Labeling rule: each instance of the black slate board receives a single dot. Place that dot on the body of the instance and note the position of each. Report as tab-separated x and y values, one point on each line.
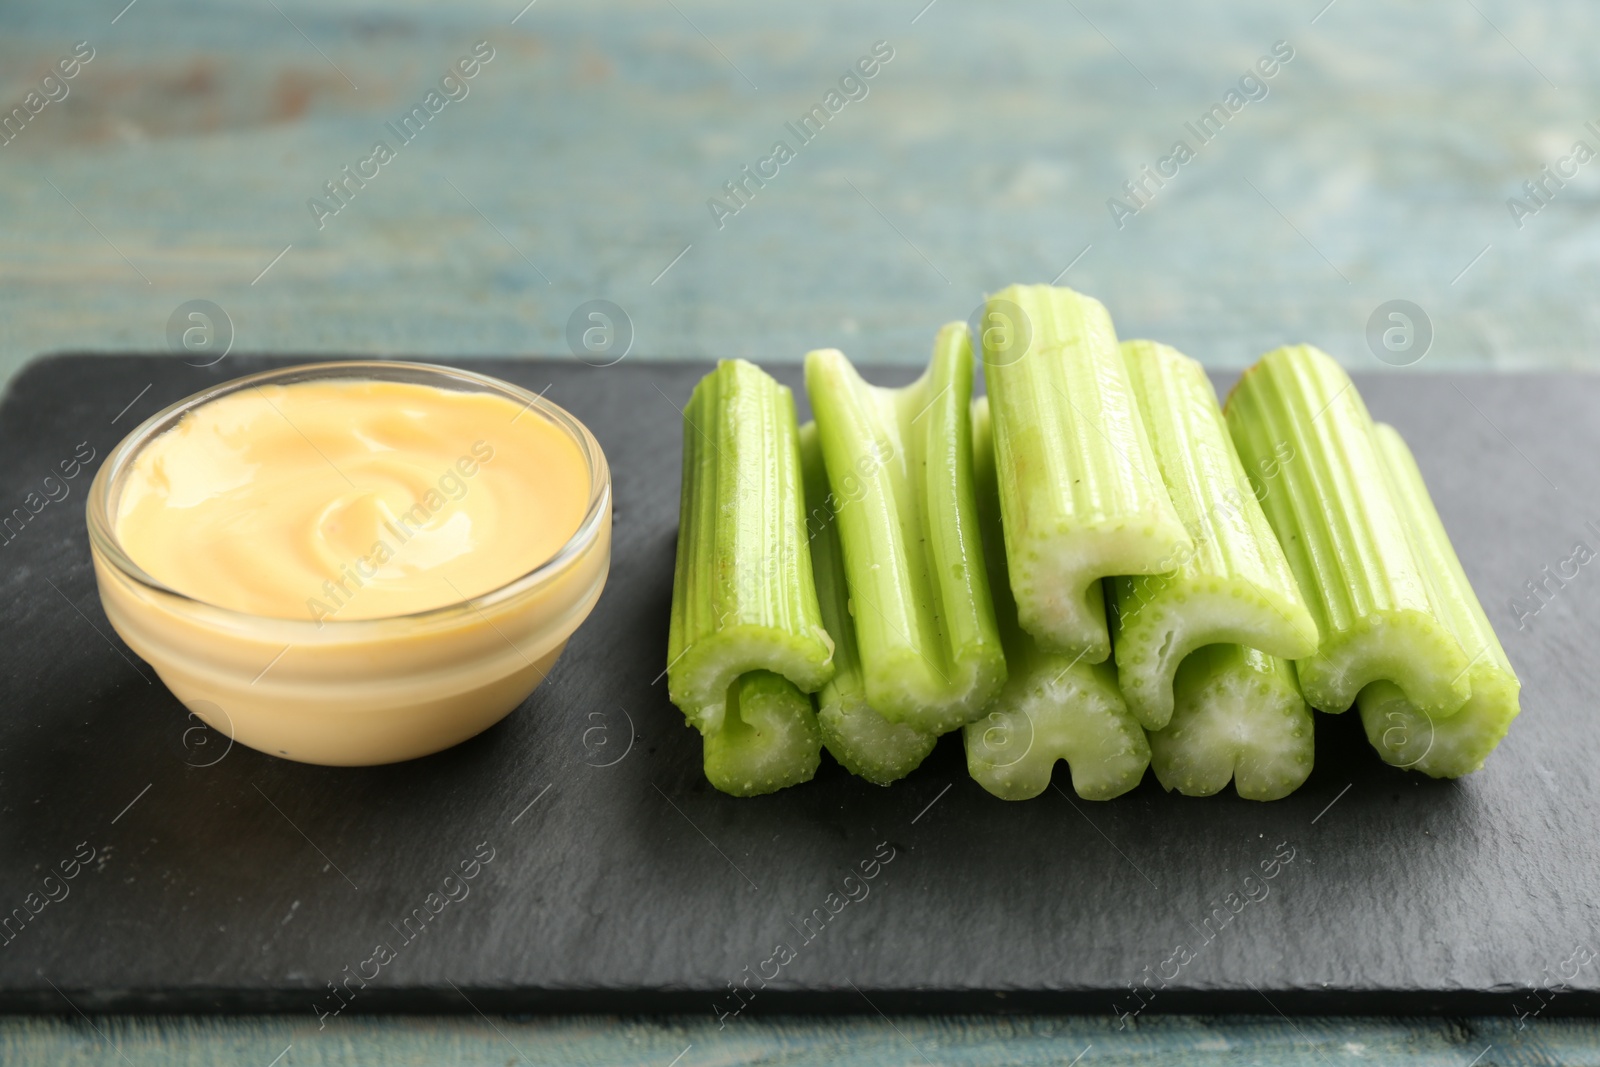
229	880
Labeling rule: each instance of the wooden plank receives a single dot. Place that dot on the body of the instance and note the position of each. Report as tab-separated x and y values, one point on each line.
482	1041
985	152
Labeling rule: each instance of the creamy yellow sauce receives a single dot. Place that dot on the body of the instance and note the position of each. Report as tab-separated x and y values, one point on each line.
347	499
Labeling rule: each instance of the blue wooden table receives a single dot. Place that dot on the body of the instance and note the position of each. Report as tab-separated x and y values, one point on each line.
962	1041
204	178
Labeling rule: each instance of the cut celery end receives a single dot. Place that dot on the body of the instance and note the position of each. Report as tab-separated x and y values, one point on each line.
743	597
1235	587
1057	709
1409	648
1443	746
864	742
899	469
1239	717
868	745
1079	488
734	651
1302	429
1161	623
1053	706
769	738
1440	747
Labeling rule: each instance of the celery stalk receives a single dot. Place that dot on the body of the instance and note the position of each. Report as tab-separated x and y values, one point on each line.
864	742
743	597
1404	735
899	464
1443	747
1304	433
1080	492
1054	705
1238	715
1235	587
768	740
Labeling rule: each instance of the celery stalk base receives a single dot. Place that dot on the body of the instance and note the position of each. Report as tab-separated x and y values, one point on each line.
769	738
1057	709
1439	747
1238	717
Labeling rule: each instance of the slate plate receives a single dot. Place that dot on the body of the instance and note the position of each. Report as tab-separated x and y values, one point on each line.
222	879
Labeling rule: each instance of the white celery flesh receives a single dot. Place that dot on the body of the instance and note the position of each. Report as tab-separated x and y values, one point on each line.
1239	717
1054	708
768	739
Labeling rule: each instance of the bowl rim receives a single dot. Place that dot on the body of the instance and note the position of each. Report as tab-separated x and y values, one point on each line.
108	479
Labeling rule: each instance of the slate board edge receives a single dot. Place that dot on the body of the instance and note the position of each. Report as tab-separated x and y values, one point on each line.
46	360
1573	1003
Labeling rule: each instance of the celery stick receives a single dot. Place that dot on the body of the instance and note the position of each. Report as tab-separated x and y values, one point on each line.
768	740
1235	587
743	598
1439	747
899	462
1079	488
1443	747
1304	433
1054	706
1239	715
864	742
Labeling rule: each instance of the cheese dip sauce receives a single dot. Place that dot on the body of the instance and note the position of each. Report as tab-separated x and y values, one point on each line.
352	563
350	499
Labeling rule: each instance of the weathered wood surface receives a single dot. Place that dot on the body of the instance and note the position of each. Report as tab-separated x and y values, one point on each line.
1381	162
473	1041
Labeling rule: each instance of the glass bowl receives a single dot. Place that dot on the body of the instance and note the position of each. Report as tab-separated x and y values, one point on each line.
360	691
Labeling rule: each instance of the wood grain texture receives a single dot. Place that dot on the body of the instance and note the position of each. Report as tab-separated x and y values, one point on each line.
956	1041
1377	167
